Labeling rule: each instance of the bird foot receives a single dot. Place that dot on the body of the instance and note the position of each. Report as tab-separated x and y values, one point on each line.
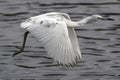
18	52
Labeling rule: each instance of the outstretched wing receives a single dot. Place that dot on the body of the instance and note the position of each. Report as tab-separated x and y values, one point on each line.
74	42
55	38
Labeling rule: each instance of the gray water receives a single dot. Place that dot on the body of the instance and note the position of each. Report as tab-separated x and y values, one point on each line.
99	41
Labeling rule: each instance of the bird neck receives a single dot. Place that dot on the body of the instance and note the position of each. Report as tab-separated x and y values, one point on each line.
79	23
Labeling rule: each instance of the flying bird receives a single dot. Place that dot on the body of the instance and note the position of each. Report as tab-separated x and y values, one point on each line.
55	30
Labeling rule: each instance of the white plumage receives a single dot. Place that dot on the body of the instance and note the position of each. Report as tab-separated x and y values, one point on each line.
56	32
59	41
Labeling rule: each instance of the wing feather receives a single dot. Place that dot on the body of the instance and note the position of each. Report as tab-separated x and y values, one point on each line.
74	42
55	40
59	41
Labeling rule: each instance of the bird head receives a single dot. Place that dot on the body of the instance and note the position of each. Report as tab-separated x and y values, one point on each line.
101	17
97	16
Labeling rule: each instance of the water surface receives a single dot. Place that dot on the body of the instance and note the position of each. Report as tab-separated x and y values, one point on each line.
99	41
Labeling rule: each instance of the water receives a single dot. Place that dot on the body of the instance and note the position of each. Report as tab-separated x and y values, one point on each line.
99	41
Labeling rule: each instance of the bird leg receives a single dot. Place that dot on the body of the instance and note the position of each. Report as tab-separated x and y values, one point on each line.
23	45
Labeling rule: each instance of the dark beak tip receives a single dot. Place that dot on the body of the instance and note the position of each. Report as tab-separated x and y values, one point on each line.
110	19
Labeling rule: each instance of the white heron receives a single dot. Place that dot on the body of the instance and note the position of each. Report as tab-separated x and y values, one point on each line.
55	31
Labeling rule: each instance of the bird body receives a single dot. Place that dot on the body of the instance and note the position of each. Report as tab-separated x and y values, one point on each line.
55	31
52	31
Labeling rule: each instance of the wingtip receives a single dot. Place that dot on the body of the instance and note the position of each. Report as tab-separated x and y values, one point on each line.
72	64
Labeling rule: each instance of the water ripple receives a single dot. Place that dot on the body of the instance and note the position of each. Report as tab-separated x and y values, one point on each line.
84	37
13	14
99	41
25	66
95	3
55	74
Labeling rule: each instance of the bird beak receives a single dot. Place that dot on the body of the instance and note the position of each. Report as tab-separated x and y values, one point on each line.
105	18
109	19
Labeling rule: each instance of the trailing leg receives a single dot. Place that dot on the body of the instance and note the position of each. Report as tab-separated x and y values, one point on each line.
23	45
